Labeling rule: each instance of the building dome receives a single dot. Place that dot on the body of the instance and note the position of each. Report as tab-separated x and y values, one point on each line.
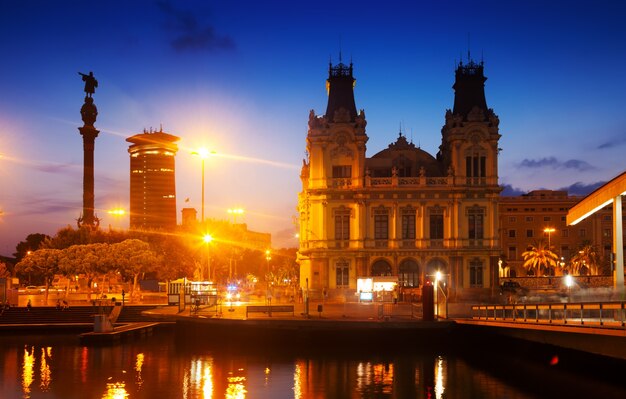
406	158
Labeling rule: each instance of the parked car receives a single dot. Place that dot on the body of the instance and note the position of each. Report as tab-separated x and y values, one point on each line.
31	289
513	288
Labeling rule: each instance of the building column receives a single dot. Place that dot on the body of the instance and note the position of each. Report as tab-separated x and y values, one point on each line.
618	246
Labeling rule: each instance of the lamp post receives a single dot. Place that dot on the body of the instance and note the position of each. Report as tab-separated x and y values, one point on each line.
235	212
207	239
203	153
268	296
549	230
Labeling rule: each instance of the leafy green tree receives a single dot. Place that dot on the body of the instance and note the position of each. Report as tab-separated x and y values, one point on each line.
85	260
43	264
133	258
539	259
586	261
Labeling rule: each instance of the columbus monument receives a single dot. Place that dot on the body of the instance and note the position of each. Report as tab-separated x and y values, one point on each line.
88	113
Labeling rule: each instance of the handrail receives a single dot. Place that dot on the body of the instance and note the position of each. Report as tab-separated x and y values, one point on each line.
606	314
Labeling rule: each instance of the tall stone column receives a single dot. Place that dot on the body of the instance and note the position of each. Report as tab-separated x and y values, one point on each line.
88	113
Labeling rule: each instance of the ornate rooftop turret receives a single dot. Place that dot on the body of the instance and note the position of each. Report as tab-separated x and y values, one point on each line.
469	88
340	86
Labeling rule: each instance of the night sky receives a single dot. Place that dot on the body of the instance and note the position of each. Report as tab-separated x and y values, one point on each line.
239	77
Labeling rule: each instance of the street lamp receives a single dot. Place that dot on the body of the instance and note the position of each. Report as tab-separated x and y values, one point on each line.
268	257
116	213
207	239
235	212
203	153
549	230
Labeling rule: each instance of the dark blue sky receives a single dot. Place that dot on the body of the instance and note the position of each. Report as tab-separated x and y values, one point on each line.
241	77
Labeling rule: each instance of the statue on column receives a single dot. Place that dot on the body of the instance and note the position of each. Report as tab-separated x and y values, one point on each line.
90	83
89	112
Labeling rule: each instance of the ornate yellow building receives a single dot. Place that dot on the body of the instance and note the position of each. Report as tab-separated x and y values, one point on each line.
401	213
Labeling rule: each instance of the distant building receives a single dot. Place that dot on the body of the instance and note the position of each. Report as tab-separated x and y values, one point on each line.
152	180
225	231
402	212
524	219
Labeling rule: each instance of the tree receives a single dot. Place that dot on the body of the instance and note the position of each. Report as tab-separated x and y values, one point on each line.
89	260
43	264
133	257
539	259
586	261
33	242
4	270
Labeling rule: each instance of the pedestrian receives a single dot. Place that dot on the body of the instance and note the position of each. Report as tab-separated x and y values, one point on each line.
29	306
65	305
58	304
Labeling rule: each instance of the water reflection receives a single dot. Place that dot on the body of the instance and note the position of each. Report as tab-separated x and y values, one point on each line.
158	367
115	390
44	369
28	366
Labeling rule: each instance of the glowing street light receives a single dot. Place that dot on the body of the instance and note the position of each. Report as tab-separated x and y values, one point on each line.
549	230
203	153
235	212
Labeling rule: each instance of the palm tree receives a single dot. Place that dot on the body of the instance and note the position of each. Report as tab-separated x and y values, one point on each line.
586	260
539	258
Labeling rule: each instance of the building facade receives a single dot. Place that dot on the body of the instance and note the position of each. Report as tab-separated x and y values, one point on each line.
402	212
540	215
153	180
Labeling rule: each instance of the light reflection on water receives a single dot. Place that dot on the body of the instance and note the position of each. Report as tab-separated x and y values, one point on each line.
157	367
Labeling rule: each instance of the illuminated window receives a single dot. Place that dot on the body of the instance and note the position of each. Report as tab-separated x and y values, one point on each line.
408	273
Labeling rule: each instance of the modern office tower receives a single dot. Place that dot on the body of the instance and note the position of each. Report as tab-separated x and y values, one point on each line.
152	180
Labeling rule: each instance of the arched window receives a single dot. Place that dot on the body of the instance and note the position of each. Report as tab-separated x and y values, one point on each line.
381	268
408	275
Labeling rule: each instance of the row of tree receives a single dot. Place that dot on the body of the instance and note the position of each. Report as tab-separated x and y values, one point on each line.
159	255
540	260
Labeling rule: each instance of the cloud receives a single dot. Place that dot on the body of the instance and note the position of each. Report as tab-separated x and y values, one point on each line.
509	191
614	142
191	34
554	163
57	168
580	188
46	206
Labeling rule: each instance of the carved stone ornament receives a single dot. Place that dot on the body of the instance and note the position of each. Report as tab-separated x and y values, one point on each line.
341	115
340	151
476	115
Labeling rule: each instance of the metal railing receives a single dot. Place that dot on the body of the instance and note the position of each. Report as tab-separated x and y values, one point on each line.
605	314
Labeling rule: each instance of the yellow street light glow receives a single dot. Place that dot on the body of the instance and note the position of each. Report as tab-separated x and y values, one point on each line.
438	275
236	211
116	212
549	230
203	153
207	238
